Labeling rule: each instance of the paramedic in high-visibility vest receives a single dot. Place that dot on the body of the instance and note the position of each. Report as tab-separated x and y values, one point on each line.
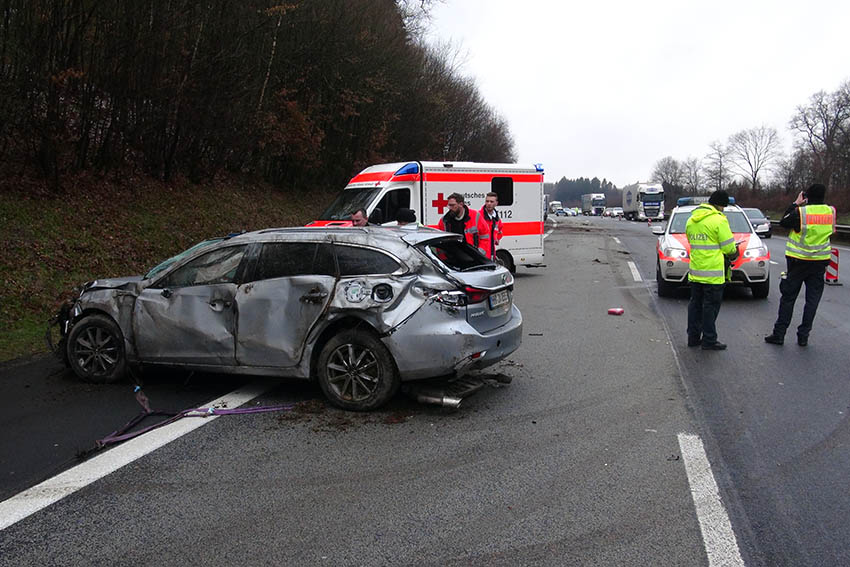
711	242
494	223
462	220
811	223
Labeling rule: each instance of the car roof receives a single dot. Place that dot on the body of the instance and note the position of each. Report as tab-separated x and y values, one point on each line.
376	235
690	208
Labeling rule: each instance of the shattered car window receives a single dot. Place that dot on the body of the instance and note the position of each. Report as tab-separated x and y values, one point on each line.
455	255
283	259
165	264
355	261
218	266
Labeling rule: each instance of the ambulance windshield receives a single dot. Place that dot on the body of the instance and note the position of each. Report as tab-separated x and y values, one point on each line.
349	201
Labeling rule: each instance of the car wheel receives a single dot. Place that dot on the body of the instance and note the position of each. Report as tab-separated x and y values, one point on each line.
761	290
95	350
356	371
504	258
665	288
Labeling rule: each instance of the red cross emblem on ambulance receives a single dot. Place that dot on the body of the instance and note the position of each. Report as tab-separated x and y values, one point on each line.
440	203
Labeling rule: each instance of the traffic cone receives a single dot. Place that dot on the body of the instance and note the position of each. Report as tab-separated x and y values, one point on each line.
831	276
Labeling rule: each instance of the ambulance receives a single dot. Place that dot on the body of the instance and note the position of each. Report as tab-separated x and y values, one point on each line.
424	186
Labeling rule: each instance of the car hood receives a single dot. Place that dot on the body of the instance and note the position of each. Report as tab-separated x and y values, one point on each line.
112	283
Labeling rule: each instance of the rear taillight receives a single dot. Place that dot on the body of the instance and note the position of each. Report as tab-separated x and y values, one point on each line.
475	295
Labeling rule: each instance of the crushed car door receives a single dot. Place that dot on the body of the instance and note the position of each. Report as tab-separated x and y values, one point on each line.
189	315
291	286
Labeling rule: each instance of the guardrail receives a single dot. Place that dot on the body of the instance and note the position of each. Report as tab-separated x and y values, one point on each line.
839	228
842	231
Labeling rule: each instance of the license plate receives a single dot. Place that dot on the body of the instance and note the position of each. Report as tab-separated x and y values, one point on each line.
499	298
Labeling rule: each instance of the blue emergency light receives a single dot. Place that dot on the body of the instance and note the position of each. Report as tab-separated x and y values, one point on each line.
685	201
407	169
538	167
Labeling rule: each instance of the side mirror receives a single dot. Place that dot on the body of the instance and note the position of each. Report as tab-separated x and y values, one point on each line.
659	230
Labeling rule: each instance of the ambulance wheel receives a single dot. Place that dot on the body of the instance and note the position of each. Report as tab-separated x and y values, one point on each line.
665	288
504	258
761	290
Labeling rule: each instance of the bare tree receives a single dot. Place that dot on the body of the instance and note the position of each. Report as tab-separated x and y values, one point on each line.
821	124
717	165
667	170
692	174
753	150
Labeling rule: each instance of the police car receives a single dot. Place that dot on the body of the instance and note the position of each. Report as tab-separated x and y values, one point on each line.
752	268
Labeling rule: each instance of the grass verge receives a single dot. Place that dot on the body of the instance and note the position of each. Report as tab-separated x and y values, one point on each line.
98	229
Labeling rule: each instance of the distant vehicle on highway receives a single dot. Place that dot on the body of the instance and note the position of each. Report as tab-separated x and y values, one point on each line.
759	219
752	268
561	212
617	212
358	310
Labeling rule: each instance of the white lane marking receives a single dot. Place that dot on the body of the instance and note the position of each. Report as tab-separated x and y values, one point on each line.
774	263
551	230
54	489
721	546
635	273
617	240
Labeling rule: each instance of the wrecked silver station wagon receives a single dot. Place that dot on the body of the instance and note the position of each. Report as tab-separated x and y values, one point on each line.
358	309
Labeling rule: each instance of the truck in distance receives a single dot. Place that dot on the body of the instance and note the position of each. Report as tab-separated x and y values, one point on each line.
592	204
643	201
554	206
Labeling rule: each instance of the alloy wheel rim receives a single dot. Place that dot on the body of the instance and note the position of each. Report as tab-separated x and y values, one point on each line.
96	351
353	372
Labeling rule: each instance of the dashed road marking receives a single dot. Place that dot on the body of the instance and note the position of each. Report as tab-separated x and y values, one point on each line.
54	489
617	240
635	273
774	263
551	230
719	540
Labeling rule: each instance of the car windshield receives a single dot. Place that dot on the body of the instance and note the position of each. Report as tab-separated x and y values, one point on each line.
455	255
349	201
754	215
165	264
737	222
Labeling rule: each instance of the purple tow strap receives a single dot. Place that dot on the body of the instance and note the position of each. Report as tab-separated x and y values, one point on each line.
124	433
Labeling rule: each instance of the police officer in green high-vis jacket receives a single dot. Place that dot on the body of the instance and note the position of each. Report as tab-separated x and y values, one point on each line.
711	243
811	223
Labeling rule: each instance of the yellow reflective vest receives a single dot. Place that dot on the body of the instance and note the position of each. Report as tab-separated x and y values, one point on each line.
710	239
811	242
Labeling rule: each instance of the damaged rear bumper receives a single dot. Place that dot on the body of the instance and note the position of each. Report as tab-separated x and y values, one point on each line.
424	351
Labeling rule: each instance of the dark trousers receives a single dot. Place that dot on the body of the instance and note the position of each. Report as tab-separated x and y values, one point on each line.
800	271
702	312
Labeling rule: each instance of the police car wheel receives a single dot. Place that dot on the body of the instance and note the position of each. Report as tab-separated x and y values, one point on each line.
665	289
761	290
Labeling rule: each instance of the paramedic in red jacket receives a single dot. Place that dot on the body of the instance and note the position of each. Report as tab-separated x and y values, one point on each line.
494	223
462	220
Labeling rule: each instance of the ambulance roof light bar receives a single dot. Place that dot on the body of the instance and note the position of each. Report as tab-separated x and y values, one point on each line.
407	169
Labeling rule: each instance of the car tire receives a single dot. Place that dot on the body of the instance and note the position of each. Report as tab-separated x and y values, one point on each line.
356	371
95	350
504	258
665	288
761	290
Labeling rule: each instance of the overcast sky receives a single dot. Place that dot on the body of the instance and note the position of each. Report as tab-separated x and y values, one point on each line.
607	88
